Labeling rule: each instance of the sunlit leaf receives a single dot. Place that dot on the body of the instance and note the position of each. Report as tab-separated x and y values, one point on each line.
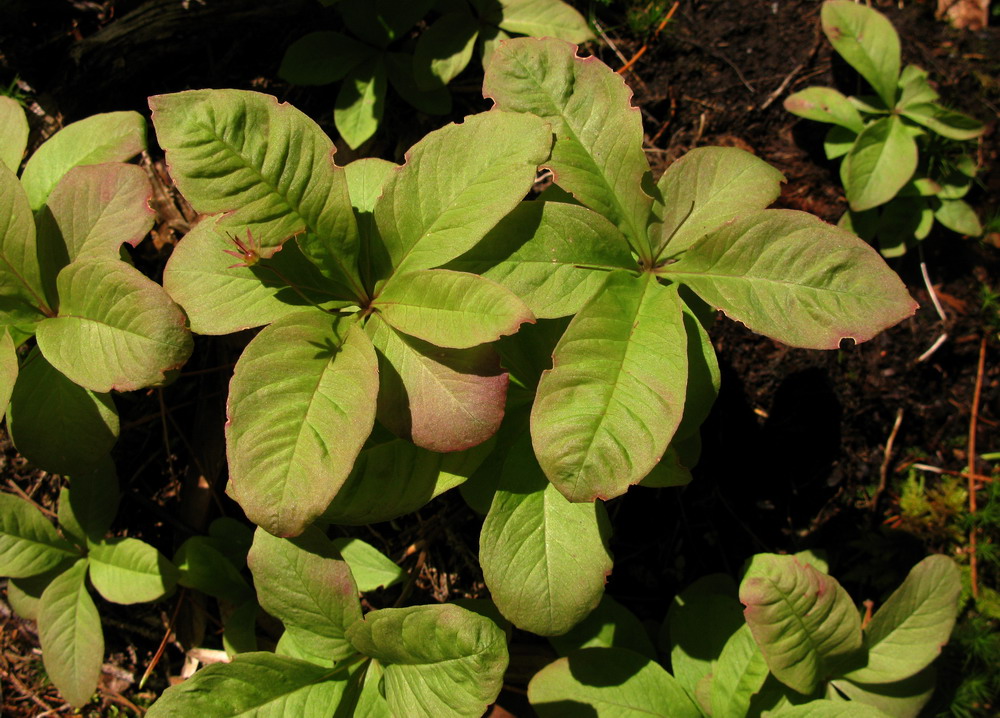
370	568
13	133
867	40
29	544
610	625
444	49
824	104
361	102
127	570
881	161
544	18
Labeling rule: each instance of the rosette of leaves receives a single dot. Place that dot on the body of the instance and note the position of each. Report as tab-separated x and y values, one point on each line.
99	324
438	660
379	51
905	157
798	649
360	322
49	568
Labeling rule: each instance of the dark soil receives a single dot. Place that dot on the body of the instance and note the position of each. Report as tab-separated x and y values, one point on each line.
795	449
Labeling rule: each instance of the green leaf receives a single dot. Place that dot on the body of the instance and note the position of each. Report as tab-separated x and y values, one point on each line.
25	594
441	399
803	620
89	505
838	142
545	18
13	133
22	294
549	254
529	352
597	155
110	137
320	58
824	104
795	278
379	22
605	412
900	699
116	329
708	187
127	570
397	478
70	440
29	544
445	659
97	208
868	41
947	123
610	625
203	567
827	709
371	703
608	683
361	102
489	42
704	378
544	559
304	583
427	216
901	221
737	675
444	49
69	630
881	162
8	369
958	216
301	404
239	633
255	685
370	568
450	309
700	621
267	163
914	87
232	538
910	628
220	298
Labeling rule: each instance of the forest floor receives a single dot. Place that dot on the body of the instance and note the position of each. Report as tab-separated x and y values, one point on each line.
804	449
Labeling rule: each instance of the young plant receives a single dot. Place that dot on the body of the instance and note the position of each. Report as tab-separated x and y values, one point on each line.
905	162
438	660
99	324
379	53
361	323
799	648
48	570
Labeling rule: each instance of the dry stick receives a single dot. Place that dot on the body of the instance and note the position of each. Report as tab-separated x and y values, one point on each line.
963	474
973	421
883	472
166	639
645	46
611	44
937	306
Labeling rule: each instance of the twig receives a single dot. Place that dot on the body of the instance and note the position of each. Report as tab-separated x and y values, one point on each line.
937	307
883	473
163	643
645	46
973	421
614	48
947	472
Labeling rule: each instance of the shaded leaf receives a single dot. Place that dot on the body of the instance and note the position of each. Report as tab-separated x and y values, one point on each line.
361	101
544	559
379	22
803	620
597	155
611	682
444	49
737	675
203	567
492	158
441	399
399	66
450	309
69	630
89	505
8	369
320	58
795	278
445	659
301	404
610	625
239	633
127	570
29	543
70	440
605	412
304	583
397	478
827	709
109	137
900	699
947	123
116	329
